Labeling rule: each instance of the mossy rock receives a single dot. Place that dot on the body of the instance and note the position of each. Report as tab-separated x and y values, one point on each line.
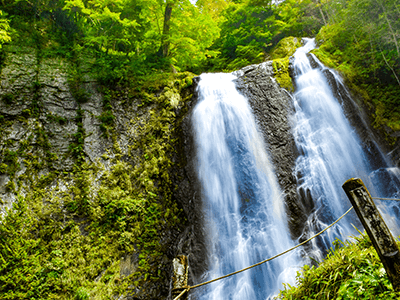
285	48
280	55
281	73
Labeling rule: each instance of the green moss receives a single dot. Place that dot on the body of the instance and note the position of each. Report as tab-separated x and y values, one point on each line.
281	73
8	98
55	118
107	116
3	168
280	55
81	222
76	148
326	59
285	48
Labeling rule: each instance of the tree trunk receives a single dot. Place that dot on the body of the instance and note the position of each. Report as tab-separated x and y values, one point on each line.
319	4
393	71
164	48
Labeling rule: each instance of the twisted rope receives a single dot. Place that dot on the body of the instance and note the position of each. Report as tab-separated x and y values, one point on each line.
378	198
183	292
264	261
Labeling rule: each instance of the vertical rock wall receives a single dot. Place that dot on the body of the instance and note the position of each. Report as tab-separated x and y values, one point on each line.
105	185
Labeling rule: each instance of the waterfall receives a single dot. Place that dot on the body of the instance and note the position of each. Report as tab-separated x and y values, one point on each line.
330	153
243	202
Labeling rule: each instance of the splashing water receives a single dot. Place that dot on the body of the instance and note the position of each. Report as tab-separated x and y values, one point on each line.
243	203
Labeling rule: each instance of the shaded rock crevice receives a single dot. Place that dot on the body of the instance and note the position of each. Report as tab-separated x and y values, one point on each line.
192	240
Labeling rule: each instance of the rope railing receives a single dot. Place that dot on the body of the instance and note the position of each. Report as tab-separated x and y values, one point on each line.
188	288
378	198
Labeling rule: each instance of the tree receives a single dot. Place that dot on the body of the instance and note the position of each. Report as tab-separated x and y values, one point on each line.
4	30
105	24
165	39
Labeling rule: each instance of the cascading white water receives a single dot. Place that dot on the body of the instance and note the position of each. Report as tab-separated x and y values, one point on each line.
243	203
330	151
242	199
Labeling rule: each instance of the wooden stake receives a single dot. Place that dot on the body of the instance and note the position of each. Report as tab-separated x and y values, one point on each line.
180	276
376	228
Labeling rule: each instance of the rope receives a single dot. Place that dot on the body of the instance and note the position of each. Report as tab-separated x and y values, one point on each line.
264	261
183	292
378	198
271	258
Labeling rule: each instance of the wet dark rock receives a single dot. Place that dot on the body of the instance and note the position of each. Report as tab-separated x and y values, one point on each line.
273	108
191	241
314	64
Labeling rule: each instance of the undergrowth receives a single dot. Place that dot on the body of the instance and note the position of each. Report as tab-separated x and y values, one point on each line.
351	270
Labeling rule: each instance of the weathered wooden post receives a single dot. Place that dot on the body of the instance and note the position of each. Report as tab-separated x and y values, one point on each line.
376	228
180	277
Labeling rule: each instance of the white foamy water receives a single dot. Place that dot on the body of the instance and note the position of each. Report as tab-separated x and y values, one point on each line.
331	153
243	202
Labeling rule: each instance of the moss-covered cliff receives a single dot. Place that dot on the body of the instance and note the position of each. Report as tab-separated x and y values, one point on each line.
88	200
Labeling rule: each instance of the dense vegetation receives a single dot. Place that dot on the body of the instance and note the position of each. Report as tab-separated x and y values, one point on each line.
361	40
139	48
351	270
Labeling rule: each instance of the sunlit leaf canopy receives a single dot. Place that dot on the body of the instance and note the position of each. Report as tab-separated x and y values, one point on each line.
204	34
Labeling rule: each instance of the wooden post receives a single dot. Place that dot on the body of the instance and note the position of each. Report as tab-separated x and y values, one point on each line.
180	277
376	228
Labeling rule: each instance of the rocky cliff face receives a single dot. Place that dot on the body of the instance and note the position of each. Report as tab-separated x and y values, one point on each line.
98	174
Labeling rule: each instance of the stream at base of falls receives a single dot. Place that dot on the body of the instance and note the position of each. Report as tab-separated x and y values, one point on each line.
243	203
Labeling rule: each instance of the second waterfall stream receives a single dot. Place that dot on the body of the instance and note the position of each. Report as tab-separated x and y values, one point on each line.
243	204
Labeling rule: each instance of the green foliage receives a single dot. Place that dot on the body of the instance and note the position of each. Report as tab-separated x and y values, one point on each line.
245	36
193	30
250	29
4	29
360	44
353	271
299	18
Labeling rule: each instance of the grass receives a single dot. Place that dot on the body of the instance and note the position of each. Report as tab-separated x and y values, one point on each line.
351	270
